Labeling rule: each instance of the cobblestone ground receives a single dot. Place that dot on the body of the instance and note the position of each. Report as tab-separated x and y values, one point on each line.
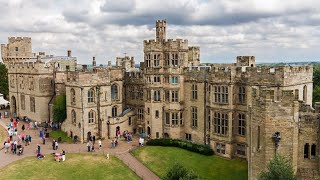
122	151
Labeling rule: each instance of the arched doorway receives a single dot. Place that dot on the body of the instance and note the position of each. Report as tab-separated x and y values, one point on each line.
89	136
117	129
13	105
71	134
166	136
149	130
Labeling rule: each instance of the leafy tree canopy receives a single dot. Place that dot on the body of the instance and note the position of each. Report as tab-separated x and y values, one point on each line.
60	109
4	88
279	168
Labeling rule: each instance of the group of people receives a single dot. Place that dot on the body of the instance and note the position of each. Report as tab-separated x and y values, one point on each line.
55	145
90	145
14	146
128	136
60	156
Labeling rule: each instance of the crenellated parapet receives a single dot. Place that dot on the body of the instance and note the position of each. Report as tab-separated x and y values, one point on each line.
167	45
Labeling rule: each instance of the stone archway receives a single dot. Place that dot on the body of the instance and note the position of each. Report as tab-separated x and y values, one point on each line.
13	105
148	130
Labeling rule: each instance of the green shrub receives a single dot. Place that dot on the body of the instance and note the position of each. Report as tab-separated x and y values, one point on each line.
197	148
178	172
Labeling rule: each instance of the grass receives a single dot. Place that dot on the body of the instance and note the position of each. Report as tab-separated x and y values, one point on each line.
58	133
76	166
159	159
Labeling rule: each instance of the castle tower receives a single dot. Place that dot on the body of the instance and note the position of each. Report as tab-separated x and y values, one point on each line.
18	49
161	30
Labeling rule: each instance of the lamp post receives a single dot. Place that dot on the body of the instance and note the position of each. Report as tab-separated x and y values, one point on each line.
108	124
276	139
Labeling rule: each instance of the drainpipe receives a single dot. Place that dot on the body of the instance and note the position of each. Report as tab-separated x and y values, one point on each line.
54	93
81	90
205	108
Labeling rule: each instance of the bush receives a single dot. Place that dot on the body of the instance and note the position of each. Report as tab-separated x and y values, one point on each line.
197	148
178	172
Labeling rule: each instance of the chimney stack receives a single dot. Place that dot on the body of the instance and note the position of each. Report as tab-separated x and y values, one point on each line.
94	63
69	53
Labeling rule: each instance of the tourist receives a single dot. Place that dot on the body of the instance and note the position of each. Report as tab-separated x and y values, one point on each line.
92	148
88	146
75	139
38	149
40	133
6	146
40	156
63	155
118	133
56	145
113	143
23	128
29	139
15	144
20	149
100	144
43	140
94	139
53	144
141	141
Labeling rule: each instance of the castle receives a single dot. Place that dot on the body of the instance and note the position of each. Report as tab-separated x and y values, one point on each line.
239	109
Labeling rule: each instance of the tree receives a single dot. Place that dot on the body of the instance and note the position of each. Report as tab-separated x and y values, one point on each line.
60	109
279	168
178	172
316	84
4	88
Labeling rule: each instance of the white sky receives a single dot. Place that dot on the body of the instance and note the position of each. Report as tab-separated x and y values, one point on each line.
271	30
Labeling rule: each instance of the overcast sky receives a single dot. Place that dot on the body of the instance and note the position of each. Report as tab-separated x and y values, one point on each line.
271	30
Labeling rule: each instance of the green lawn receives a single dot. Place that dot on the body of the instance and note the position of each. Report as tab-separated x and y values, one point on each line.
76	166
58	133
158	159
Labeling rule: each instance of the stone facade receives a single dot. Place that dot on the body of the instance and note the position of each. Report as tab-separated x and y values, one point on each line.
235	108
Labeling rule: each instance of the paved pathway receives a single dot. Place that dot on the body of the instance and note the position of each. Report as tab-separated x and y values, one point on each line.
122	151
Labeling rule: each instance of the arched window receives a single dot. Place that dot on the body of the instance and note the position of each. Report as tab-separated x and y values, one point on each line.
91	116
313	151
114	111
306	151
90	96
73	117
305	93
73	96
114	92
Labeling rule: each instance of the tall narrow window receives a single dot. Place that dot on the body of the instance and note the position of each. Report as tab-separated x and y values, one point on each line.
156	60
241	124
156	95
114	92
114	111
313	151
194	115
305	93
32	104
174	118
73	117
296	94
129	121
174	80
306	151
157	114
194	91
221	94
73	96
242	95
167	95
175	96
148	60
90	96
175	60
167	118
140	114
23	102
91	117
209	120
221	123
181	120
258	141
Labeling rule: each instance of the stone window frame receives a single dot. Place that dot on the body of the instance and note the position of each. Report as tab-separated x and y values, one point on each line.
241	124
73	116
188	137
296	94
129	121
175	59
174	96
174	80
91	117
23	102
194	91
181	118
73	96
114	111
194	116
140	93
167	118
156	60
157	95
167	95
221	94
310	151
131	92
305	92
174	118
157	79
241	149
220	148
91	95
148	60
221	125
242	95
32	104
157	114
140	112
114	92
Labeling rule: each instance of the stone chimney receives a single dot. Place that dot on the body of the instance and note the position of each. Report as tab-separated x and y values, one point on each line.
69	53
94	63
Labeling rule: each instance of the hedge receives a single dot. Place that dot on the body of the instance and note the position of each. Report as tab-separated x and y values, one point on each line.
197	148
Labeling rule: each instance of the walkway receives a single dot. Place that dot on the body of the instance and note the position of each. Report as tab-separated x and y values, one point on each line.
122	151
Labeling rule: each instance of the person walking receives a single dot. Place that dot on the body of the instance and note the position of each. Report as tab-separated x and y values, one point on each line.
53	144
23	127
43	140
57	145
100	143
88	146
38	149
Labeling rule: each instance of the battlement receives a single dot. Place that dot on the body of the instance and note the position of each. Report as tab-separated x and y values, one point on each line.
161	22
167	44
15	39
